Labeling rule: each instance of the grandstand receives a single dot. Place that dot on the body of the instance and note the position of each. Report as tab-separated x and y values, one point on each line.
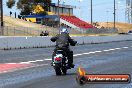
66	17
76	22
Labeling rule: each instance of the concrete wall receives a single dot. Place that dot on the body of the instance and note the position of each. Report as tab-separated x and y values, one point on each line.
34	42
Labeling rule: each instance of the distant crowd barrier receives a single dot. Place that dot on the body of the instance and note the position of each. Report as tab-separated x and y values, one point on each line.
38	42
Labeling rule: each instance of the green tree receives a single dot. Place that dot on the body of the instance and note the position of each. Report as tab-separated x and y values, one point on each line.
26	10
24	6
45	3
10	3
27	6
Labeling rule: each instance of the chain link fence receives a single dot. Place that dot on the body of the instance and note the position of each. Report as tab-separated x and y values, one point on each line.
31	31
26	31
101	31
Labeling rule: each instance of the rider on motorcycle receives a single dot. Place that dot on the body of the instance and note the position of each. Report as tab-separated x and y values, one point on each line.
62	43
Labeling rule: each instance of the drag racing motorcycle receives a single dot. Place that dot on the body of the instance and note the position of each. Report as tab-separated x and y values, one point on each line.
60	61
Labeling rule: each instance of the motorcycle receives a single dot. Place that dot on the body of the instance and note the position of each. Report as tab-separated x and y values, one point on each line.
60	62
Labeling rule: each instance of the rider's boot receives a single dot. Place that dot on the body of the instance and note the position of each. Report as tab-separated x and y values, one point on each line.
70	60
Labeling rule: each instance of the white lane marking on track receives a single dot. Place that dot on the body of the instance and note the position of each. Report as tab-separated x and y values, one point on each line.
25	62
111	49
106	50
117	48
32	61
92	52
125	47
98	51
10	63
48	59
75	55
86	53
39	60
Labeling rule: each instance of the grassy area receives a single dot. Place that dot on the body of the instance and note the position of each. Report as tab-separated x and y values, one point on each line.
19	27
122	27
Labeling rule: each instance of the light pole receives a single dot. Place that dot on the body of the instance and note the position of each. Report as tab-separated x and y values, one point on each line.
59	15
114	14
91	12
131	12
1	18
1	5
80	12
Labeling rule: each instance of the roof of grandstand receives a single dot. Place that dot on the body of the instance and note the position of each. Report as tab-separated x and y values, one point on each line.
62	5
77	22
41	16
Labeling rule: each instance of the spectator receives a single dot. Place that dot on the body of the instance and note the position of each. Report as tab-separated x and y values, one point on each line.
42	33
19	16
10	13
15	14
30	20
46	33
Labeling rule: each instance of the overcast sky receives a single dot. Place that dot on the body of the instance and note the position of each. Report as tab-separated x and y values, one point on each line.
102	9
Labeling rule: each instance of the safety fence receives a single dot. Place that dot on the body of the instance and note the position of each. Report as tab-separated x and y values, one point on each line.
36	31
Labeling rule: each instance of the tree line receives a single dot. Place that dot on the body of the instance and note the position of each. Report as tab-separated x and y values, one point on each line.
27	6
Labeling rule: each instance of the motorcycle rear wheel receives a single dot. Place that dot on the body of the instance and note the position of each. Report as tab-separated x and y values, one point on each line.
64	70
57	70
